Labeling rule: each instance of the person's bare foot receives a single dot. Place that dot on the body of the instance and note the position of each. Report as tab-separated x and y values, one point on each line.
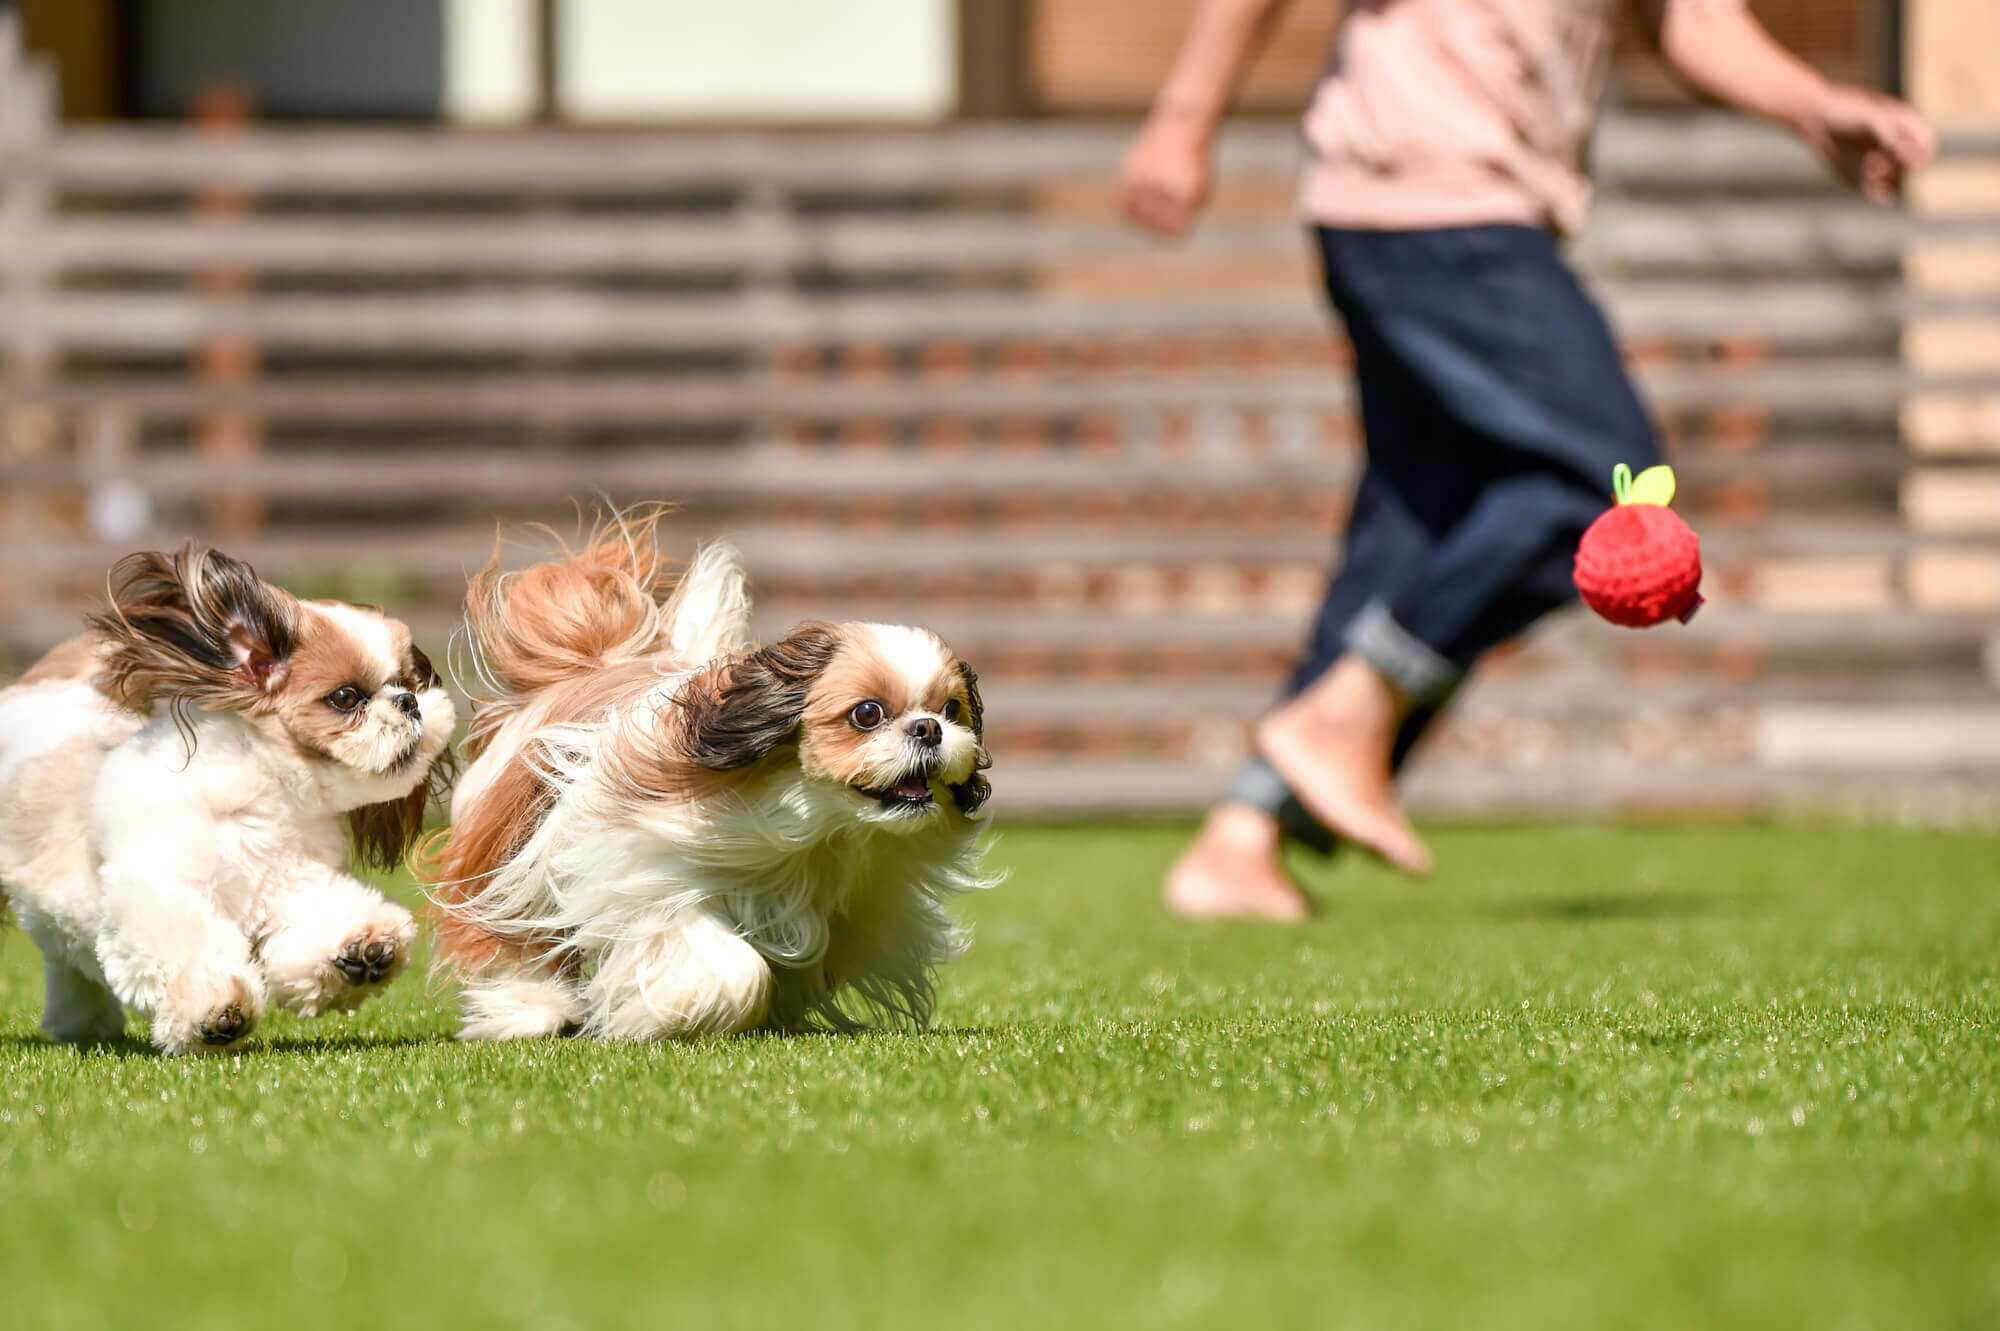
1233	870
1332	745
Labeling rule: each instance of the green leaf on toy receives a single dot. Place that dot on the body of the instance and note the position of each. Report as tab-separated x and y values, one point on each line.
1654	485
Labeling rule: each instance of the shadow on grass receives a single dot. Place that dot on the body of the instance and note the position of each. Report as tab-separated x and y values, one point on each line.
306	1044
883	1035
125	1046
1610	906
131	1046
329	1044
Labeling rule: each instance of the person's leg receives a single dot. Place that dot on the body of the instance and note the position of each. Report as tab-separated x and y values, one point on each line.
1233	866
1383	537
1511	348
1523	358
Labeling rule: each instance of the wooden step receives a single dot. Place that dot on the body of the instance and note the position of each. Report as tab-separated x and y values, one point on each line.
1812	312
1719	647
1786	475
1630	152
1864	388
1063	789
1626	238
1571	696
774	550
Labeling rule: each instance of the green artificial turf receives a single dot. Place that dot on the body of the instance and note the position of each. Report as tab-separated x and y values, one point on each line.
1585	1077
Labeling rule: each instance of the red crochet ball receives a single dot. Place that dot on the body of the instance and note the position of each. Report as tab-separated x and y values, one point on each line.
1639	565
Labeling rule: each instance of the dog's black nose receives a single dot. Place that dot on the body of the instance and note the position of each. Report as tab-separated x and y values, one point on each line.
407	704
925	730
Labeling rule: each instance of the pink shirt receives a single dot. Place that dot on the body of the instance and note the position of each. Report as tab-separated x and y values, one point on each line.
1439	113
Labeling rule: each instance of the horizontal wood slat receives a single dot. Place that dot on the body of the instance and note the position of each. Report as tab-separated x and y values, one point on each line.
753	472
1807	313
839	549
1561	698
1677	153
1854	385
1074	788
1805	656
1792	236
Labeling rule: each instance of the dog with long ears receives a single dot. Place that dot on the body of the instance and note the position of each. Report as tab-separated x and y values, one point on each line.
177	790
664	830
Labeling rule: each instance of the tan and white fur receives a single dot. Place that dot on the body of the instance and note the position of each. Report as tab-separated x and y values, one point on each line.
176	789
665	831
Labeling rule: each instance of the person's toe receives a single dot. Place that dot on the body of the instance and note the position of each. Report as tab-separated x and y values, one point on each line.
1397	842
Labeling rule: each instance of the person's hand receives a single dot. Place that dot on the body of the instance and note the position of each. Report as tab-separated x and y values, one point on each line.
1871	140
1165	177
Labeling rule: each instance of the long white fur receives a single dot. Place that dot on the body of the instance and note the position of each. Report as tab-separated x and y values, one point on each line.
789	905
709	613
189	869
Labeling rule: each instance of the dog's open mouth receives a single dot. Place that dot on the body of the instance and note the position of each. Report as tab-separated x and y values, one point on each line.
911	793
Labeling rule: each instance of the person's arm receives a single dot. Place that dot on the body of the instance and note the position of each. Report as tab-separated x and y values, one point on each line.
1870	139
1164	178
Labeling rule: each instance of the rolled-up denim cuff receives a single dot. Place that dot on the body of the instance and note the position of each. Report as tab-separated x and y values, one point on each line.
1258	785
1406	661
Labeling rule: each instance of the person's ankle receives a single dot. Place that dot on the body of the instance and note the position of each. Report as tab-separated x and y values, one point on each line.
1383	692
1242	827
1355	692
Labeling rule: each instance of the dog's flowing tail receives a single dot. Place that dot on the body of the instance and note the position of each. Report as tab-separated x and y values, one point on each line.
616	599
544	644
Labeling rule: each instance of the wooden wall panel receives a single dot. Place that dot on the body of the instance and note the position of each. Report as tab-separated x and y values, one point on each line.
1844	39
79	36
1110	55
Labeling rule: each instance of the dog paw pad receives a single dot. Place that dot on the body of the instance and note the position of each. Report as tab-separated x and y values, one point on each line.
224	1026
366	961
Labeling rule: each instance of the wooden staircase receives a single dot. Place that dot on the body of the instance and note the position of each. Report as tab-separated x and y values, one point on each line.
926	377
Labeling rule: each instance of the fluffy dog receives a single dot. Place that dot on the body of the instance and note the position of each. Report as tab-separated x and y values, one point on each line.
664	831
173	789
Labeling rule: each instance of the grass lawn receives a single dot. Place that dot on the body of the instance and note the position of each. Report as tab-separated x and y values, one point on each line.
1668	1077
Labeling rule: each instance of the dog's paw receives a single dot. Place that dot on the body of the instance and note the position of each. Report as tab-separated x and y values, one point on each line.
372	958
225	1026
367	961
520	1007
213	1023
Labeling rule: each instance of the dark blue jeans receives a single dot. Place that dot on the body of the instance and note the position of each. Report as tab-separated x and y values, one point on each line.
1495	405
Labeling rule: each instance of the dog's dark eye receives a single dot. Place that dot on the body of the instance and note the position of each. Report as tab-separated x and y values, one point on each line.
951	709
345	698
867	715
424	675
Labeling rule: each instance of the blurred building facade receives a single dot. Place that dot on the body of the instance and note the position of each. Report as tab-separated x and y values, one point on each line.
336	284
678	61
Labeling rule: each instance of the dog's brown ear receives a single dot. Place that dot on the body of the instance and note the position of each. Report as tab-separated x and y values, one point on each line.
745	708
194	626
383	833
971	794
975	790
975	708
